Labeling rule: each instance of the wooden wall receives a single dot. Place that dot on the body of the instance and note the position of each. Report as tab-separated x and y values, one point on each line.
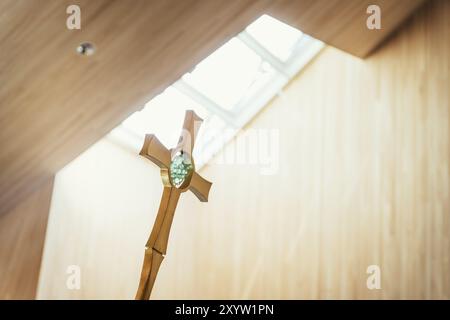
22	235
363	179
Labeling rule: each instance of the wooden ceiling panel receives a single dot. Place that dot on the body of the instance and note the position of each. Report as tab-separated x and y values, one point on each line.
342	23
55	103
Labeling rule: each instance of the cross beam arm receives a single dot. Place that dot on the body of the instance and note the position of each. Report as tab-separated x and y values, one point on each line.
200	187
155	151
191	125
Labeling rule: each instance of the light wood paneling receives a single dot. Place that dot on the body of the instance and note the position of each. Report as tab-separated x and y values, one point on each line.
55	103
22	234
343	23
363	179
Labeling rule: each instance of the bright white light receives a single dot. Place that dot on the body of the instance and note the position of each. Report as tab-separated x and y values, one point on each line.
277	37
226	89
230	73
163	116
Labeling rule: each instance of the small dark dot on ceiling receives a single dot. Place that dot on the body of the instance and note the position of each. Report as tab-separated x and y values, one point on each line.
86	49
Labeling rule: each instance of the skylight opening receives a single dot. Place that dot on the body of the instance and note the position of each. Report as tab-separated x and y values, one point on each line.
226	89
230	73
277	37
171	104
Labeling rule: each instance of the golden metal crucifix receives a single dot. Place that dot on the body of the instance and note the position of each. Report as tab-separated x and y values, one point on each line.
178	175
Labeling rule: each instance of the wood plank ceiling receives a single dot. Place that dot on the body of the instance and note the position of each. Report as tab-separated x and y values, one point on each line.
342	23
55	103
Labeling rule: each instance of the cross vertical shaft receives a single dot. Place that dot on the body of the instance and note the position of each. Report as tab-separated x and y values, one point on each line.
178	175
156	246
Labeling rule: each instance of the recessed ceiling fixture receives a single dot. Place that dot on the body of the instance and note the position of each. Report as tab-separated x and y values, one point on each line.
86	49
